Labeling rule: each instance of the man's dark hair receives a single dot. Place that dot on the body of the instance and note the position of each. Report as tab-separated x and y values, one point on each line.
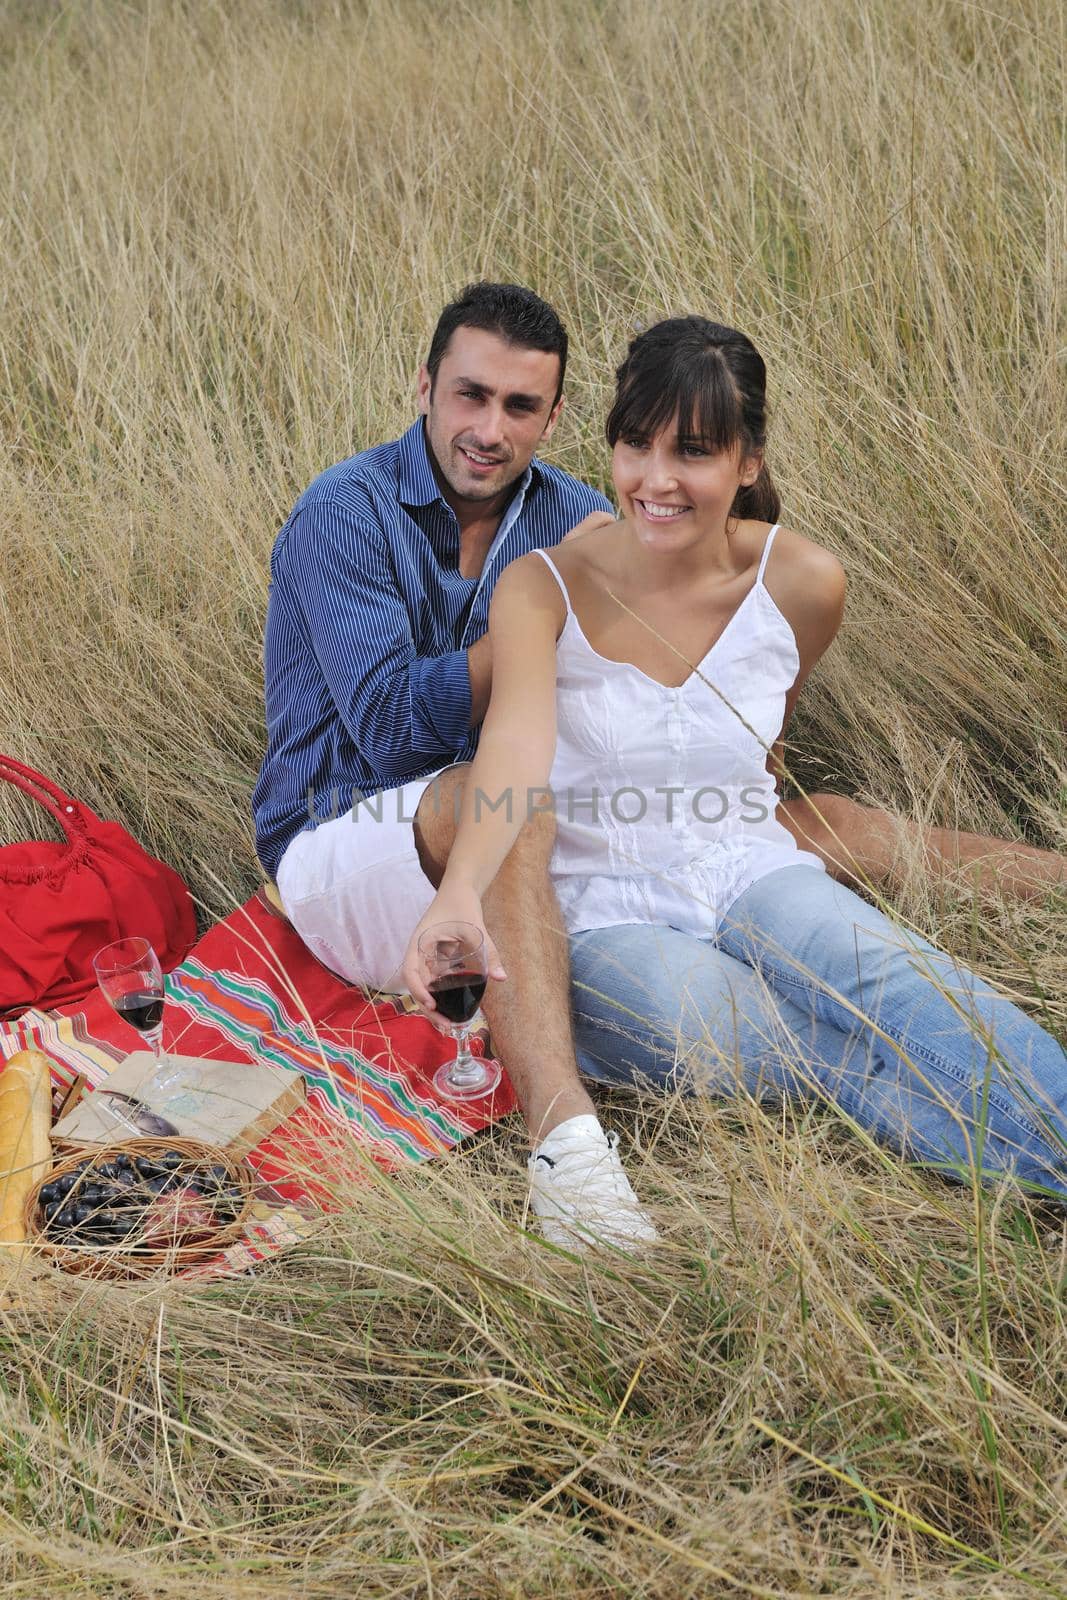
508	310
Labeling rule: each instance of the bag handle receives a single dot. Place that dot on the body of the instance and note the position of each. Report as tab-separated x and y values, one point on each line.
60	806
37	778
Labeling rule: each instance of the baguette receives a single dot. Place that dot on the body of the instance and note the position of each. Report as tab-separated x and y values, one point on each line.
25	1146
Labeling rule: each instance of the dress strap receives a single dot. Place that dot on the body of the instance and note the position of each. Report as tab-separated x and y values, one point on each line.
766	552
551	565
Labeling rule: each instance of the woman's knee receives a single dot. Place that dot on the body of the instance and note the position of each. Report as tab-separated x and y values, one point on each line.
655	1005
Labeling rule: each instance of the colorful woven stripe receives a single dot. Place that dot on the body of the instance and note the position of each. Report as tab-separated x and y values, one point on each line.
379	1101
66	1040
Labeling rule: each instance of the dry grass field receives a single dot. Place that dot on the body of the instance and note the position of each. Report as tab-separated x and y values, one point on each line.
226	227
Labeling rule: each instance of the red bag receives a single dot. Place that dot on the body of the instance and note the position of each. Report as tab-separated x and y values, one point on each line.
59	903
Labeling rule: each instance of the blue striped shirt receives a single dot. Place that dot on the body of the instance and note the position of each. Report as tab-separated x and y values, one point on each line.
368	625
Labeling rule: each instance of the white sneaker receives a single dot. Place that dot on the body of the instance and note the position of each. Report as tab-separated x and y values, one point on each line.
581	1193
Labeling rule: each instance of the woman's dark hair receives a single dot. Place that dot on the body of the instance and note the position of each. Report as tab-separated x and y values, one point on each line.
712	379
508	310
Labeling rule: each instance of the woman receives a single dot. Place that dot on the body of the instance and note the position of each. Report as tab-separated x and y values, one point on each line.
646	672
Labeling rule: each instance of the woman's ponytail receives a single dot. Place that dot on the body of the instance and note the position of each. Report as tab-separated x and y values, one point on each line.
758	501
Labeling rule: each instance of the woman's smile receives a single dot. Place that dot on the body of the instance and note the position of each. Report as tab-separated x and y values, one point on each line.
658	511
676	490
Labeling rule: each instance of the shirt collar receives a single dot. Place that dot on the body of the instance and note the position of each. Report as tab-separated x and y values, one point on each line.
416	484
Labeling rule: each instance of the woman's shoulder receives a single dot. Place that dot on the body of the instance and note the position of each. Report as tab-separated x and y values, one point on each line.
530	581
534	571
797	564
807	584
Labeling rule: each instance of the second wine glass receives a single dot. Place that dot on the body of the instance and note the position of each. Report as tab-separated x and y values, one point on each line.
455	959
130	976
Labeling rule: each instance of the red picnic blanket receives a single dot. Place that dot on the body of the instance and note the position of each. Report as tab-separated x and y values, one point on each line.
249	990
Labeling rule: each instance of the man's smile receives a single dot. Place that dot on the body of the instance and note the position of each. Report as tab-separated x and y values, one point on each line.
480	463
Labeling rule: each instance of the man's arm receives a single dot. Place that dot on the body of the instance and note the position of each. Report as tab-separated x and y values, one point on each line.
403	711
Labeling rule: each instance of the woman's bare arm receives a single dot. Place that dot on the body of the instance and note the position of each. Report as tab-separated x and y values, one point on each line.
809	589
515	750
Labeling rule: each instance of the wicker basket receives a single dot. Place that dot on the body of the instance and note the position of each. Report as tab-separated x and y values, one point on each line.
118	1260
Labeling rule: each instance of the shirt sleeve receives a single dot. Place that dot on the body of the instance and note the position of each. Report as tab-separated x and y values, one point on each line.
403	711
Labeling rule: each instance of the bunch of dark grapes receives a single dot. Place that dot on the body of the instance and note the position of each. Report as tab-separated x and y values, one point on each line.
137	1202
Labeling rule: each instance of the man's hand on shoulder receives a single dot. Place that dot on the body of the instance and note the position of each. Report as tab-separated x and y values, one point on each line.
595	519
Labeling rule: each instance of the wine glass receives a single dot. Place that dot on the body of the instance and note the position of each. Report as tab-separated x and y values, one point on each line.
130	976
454	955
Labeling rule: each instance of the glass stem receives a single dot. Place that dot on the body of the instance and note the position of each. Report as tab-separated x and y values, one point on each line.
464	1063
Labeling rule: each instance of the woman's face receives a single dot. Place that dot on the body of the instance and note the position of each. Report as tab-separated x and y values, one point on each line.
673	490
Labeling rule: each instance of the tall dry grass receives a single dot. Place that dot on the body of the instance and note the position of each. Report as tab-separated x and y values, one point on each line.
226	231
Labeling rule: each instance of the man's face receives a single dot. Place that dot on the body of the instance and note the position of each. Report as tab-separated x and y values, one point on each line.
491	406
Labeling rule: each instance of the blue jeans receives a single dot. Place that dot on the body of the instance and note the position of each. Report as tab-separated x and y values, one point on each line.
809	991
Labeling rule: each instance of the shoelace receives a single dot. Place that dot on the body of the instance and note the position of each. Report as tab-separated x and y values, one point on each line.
613	1144
592	1174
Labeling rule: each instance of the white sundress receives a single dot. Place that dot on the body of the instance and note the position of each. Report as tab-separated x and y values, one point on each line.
665	811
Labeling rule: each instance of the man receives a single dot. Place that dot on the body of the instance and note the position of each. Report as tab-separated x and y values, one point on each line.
378	673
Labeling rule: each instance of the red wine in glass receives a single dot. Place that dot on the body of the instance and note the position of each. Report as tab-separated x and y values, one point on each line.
131	978
453	954
143	1011
458	994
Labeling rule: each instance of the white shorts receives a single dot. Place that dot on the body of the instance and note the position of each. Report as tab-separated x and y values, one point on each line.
354	890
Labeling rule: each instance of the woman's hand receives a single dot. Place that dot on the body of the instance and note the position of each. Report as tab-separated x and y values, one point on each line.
450	904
